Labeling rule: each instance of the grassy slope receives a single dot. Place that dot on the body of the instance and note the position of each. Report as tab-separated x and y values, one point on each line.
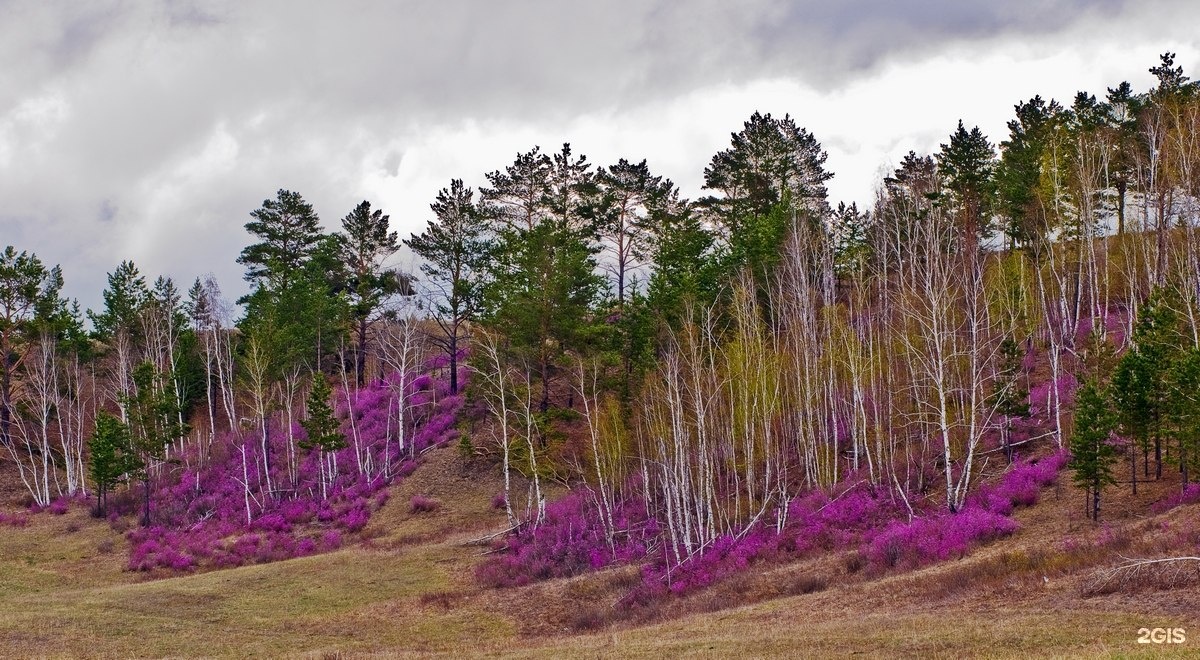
407	589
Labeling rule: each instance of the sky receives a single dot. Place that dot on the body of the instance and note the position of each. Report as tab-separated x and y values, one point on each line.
150	130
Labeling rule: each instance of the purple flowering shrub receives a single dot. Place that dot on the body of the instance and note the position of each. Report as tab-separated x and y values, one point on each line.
13	519
571	539
204	517
422	504
984	518
873	521
1189	494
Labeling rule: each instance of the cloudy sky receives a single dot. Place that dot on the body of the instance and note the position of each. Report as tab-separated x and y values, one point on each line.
149	130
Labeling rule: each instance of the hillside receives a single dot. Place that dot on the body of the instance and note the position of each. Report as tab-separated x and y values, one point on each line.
405	586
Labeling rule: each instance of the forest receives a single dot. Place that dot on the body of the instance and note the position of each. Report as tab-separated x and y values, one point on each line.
691	387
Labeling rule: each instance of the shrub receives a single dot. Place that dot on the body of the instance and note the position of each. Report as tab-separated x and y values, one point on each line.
571	539
1189	494
935	538
421	504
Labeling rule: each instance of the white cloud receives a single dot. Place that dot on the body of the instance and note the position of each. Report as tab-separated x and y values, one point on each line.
149	131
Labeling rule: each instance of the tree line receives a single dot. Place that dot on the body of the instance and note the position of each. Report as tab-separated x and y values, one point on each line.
713	356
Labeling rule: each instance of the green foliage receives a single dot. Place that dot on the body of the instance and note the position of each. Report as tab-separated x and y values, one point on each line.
124	300
110	451
154	422
1019	172
453	248
542	291
851	248
629	199
542	285
363	245
1140	387
967	164
687	266
769	162
303	324
289	232
1184	410
1092	455
153	415
1009	394
322	428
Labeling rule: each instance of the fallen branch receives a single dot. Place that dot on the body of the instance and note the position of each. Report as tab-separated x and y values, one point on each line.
483	540
1132	569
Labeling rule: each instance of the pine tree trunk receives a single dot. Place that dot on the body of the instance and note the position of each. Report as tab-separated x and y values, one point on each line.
1133	467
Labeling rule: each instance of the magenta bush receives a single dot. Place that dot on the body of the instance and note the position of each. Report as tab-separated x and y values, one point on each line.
874	521
1189	494
422	504
937	538
570	540
200	512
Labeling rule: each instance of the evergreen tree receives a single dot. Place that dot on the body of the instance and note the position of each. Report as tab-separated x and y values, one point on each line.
629	197
321	426
1092	456
365	244
686	267
289	232
1140	388
769	162
296	310
967	163
1184	410
848	230
153	424
453	247
909	196
124	299
1019	172
542	282
109	449
1009	396
1121	133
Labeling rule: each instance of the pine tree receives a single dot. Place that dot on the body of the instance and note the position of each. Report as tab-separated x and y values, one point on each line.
1184	410
769	162
629	196
365	243
968	163
1019	171
1121	130
109	449
321	426
453	247
322	430
289	232
542	281
686	267
1140	385
1092	455
154	423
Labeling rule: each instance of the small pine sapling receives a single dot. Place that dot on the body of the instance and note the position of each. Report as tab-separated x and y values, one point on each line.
323	429
1092	456
109	450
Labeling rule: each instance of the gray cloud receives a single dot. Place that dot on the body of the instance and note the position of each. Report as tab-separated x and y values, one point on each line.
150	130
